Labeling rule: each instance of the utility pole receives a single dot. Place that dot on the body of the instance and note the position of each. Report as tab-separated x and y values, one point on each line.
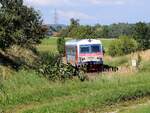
55	17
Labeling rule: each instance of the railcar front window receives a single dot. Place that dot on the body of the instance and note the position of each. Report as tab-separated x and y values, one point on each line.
84	49
95	48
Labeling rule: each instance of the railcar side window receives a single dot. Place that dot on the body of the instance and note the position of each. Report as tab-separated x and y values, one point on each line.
71	50
95	48
84	49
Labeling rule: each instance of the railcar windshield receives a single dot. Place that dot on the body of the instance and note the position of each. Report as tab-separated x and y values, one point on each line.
90	48
95	48
84	49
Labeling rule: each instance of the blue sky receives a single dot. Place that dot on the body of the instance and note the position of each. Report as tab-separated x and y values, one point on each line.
93	11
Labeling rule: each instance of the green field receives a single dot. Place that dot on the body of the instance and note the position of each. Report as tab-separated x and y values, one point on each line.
30	92
50	44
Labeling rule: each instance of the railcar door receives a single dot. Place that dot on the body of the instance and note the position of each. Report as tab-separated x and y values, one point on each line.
71	54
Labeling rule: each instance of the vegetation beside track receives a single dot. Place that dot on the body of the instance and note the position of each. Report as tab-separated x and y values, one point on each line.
36	94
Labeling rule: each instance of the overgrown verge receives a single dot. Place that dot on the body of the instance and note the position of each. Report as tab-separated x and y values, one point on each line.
49	65
53	68
27	87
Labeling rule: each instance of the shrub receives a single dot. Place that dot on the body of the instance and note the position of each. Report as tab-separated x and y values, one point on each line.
61	45
122	46
52	67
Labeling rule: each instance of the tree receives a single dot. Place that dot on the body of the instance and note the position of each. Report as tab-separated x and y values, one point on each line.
142	35
105	32
19	25
98	31
123	46
61	46
74	22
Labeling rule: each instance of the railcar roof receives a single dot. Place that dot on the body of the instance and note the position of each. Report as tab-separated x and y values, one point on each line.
83	41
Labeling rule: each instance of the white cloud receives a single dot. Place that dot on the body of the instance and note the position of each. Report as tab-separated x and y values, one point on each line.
75	2
46	2
109	2
75	14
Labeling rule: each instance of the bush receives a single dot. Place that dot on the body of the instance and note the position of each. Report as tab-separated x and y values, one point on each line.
52	67
61	45
122	46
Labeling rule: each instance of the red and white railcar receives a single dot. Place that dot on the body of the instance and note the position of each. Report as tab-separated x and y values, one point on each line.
86	51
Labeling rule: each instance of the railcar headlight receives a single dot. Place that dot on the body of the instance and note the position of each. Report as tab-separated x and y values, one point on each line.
99	58
80	59
83	59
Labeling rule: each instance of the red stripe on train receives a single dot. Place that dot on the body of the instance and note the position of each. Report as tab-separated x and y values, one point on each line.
91	55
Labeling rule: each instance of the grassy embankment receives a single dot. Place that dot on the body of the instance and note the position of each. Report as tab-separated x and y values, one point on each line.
28	92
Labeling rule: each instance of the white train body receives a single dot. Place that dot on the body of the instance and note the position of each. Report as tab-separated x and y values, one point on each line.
86	51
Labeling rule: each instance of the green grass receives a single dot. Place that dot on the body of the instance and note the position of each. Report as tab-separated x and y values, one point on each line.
29	92
36	94
50	44
118	61
106	43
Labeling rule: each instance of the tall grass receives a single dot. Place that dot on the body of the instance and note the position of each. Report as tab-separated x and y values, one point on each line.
118	61
29	88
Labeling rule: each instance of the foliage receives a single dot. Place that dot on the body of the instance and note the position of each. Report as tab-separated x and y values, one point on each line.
64	32
52	67
61	46
75	30
19	24
116	30
74	22
105	32
142	35
52	28
124	45
82	32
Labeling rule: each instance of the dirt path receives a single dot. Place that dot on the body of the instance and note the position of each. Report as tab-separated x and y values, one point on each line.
116	108
130	107
136	104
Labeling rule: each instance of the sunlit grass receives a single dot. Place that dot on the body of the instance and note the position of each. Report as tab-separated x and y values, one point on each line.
137	109
30	92
50	44
28	88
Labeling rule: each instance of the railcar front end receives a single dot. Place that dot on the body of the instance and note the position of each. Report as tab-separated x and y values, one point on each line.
87	52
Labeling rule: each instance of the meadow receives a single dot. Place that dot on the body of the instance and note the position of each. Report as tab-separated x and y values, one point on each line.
29	92
50	44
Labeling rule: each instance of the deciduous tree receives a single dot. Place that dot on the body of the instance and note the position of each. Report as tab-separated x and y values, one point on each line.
19	24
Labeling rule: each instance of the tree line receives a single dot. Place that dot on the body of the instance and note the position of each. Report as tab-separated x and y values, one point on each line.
139	31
